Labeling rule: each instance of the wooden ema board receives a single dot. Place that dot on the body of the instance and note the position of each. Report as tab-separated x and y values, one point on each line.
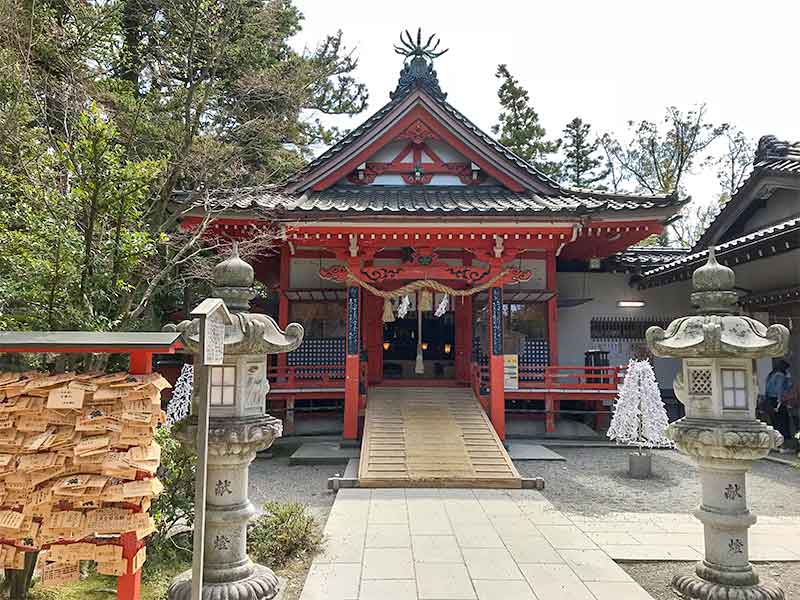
431	437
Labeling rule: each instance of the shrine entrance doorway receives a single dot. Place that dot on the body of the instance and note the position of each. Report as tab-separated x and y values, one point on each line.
400	345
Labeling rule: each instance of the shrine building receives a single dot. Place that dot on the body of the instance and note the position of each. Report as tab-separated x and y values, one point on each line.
419	252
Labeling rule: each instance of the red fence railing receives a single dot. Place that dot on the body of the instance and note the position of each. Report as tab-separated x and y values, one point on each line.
308	376
555	377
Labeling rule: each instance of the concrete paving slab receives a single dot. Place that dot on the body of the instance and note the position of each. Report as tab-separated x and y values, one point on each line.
617	590
436	549
566	537
326	581
555	581
526	549
477	536
503	590
394	535
639	552
388	589
341	548
440	581
490	563
323	453
522	450
388	563
594	565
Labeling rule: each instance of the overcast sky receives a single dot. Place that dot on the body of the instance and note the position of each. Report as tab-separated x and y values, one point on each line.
605	61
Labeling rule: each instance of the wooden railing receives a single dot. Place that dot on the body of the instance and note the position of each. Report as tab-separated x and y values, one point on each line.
300	376
591	387
555	377
312	377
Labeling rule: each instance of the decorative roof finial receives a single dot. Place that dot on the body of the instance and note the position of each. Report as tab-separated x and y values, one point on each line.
410	49
418	65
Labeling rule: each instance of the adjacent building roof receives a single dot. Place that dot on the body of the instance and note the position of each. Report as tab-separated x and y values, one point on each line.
765	242
773	158
479	199
649	256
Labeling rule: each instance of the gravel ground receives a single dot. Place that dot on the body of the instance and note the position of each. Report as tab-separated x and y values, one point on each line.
273	479
594	481
656	577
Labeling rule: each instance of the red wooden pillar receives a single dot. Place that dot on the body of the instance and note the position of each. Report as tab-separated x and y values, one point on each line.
497	402
373	336
352	359
463	338
552	404
552	309
283	301
129	586
141	363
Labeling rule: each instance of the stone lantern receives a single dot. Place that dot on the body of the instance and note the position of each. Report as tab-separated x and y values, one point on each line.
238	428
719	389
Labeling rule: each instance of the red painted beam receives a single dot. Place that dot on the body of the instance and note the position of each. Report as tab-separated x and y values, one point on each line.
417	113
93	349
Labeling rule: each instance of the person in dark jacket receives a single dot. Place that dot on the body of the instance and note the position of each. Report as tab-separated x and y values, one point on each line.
778	383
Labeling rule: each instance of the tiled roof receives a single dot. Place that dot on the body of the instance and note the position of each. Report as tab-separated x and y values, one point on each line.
790	229
430	199
777	156
645	256
433	199
773	157
560	191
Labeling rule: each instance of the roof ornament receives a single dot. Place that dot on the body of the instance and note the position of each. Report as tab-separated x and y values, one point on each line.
409	48
418	64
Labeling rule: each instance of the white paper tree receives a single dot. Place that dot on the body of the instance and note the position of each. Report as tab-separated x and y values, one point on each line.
640	418
181	400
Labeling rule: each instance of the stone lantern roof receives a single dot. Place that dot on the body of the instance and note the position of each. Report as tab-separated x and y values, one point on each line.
249	333
717	330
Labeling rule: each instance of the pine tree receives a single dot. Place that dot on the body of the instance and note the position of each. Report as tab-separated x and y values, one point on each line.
640	418
581	168
519	128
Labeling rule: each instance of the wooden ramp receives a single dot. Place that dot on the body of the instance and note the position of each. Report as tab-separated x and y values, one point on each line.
431	437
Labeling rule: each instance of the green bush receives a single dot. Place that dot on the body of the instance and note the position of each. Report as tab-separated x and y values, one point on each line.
284	532
173	509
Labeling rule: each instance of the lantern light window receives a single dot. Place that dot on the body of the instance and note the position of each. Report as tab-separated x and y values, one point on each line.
734	389
223	386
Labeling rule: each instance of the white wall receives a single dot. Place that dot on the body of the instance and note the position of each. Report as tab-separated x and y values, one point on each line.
304	273
783	204
606	289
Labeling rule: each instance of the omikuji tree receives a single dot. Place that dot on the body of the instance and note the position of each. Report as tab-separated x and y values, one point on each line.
640	418
519	128
582	166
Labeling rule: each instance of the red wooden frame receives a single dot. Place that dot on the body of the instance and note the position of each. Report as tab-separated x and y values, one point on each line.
422	115
554	383
417	171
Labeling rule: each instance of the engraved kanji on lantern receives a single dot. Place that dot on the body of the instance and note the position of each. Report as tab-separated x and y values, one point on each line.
719	389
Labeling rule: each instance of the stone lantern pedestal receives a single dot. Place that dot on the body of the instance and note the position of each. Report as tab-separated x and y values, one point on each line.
719	389
228	572
236	393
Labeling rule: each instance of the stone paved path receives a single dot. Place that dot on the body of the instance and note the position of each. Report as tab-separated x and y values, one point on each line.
423	544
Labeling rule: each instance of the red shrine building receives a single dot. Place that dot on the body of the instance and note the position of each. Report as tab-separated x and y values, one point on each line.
418	251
